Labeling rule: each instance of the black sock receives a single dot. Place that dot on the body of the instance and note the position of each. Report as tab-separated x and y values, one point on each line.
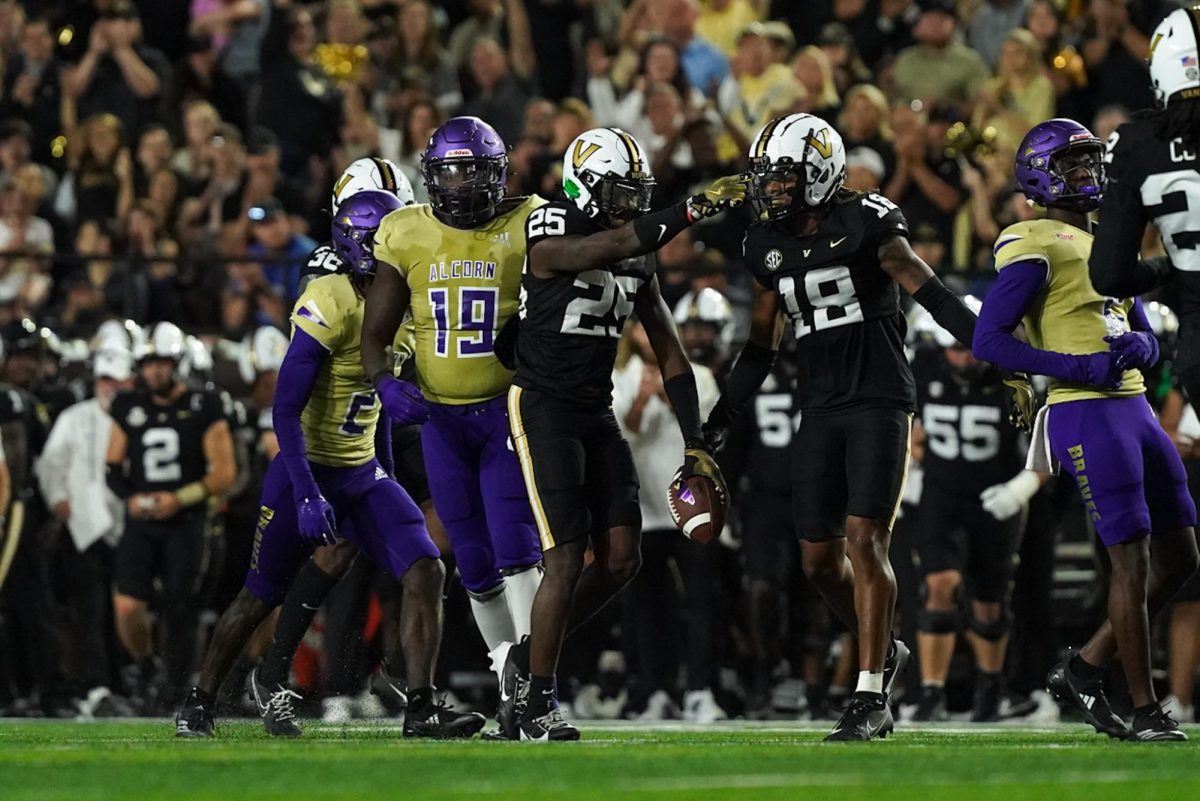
198	697
541	695
1145	710
303	600
1082	669
419	698
520	656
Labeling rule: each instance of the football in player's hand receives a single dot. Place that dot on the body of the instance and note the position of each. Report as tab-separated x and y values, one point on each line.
697	507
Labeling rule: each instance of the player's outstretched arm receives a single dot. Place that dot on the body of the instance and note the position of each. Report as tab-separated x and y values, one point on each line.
679	381
1016	287
752	367
1114	266
578	253
386	302
915	277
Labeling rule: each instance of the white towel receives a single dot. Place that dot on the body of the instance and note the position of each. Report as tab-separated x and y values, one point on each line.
1041	458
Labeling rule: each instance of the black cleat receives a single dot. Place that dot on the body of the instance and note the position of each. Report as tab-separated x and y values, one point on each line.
514	691
1087	698
276	706
440	722
1155	726
550	727
932	706
988	691
867	717
389	690
893	665
195	718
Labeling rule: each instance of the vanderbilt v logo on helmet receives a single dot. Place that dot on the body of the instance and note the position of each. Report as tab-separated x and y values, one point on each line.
798	162
607	176
1174	61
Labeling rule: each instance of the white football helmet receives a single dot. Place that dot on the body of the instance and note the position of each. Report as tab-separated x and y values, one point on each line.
372	173
799	149
607	176
165	341
706	306
117	333
261	352
925	329
1174	61
199	360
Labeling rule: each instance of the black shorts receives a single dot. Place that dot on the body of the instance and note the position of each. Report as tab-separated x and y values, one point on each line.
955	533
410	462
845	464
770	551
173	551
578	468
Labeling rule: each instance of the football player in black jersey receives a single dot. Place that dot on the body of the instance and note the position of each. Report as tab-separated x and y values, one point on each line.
834	261
587	270
170	451
1154	176
968	528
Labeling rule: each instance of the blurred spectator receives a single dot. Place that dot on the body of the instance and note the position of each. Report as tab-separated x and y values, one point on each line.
200	119
99	185
1019	97
502	90
720	21
658	63
155	150
1115	49
927	185
249	301
264	179
847	65
688	157
865	170
300	103
32	89
571	118
283	253
813	71
1108	120
118	74
220	202
990	26
162	189
149	254
703	63
26	240
485	22
865	122
420	121
938	69
420	45
200	76
550	24
1061	61
16	152
362	136
236	28
758	89
927	243
782	40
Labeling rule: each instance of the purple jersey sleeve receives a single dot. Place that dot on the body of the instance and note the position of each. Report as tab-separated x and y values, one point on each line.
297	376
1015	289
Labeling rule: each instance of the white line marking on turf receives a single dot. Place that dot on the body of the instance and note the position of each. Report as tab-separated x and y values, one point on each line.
759	780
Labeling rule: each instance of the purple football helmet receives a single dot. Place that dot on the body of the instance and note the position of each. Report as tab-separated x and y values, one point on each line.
354	228
465	167
1060	164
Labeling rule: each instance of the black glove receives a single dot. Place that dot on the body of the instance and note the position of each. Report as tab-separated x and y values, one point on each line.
505	344
1022	403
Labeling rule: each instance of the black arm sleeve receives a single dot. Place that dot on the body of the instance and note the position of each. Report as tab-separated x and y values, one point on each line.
748	374
685	402
1114	267
947	309
657	229
118	482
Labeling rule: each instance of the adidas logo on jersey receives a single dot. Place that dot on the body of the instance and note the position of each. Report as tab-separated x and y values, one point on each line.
380	474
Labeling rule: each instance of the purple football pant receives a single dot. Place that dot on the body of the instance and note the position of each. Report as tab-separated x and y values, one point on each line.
372	510
479	491
1126	468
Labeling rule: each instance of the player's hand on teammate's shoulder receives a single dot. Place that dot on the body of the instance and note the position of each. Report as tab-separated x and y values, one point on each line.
315	520
726	192
402	401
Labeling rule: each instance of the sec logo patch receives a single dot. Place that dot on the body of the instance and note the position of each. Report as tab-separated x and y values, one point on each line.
773	260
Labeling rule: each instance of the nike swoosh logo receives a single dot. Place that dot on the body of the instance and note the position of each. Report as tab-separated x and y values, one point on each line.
309	608
503	695
834	243
662	231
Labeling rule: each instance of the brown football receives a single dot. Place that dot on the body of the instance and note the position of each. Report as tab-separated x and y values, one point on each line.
697	507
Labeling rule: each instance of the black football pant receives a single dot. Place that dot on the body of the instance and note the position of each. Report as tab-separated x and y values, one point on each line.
87	598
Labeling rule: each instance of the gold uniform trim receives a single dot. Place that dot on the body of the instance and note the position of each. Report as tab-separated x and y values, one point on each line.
521	444
385	172
635	155
903	478
765	137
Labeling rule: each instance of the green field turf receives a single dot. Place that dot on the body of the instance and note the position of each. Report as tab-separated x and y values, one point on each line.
141	760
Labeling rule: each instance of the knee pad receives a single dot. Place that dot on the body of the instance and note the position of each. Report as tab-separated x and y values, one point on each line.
938	621
994	631
486	595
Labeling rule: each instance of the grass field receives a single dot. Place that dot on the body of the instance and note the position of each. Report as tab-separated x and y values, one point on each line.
132	761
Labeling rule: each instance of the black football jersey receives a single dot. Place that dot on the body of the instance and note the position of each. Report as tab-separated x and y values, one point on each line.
969	445
30	422
1155	181
166	443
322	261
845	309
571	322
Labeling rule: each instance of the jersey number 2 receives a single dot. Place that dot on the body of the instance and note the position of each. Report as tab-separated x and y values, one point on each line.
830	294
1176	195
160	455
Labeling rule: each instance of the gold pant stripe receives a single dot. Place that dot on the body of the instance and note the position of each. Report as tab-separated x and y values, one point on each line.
521	443
903	478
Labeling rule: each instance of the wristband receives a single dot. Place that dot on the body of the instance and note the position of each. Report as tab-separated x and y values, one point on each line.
191	494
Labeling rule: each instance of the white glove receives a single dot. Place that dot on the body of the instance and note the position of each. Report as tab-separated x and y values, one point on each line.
1006	500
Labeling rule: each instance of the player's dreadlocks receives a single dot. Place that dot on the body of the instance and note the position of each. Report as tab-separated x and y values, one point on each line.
1179	120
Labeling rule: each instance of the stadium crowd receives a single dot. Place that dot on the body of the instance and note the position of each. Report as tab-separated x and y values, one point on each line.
172	161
